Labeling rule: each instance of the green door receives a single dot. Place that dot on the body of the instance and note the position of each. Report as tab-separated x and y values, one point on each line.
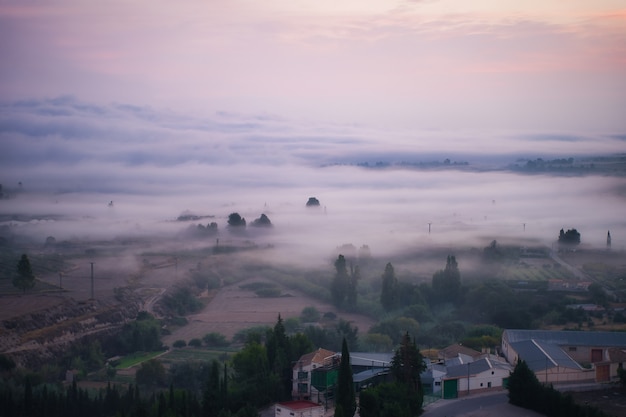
450	388
505	382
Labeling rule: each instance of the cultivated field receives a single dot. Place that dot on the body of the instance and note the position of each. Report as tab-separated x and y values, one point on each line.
234	309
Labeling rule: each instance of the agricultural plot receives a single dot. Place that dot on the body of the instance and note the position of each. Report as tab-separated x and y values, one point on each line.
190	354
543	271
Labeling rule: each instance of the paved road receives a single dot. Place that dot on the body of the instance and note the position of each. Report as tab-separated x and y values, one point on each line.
483	405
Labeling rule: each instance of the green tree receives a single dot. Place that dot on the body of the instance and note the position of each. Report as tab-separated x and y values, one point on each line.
252	380
212	397
151	373
235	220
346	398
340	283
571	237
24	279
309	315
279	357
406	366
524	387
446	283
353	280
368	403
389	287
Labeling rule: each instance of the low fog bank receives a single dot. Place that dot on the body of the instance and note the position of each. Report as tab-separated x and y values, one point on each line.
76	170
389	211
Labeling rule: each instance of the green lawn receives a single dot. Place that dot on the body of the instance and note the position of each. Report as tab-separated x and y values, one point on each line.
191	354
136	358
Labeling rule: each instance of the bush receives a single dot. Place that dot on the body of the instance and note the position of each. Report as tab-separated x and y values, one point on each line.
151	373
179	344
195	342
309	315
215	339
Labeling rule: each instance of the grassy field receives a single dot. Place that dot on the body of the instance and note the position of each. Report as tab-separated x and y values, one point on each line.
136	358
534	272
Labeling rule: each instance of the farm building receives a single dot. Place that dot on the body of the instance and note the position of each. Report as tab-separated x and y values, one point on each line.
567	356
477	376
302	387
299	408
315	373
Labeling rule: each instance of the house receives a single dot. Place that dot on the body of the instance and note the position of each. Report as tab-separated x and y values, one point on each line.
567	356
302	388
477	376
299	408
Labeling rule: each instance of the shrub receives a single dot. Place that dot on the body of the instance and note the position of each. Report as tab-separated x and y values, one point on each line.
179	344
309	315
215	339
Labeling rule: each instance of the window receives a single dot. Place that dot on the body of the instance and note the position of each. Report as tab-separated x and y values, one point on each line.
481	384
303	388
572	349
492	372
437	383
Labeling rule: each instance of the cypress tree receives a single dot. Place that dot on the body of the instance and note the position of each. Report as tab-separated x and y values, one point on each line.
346	398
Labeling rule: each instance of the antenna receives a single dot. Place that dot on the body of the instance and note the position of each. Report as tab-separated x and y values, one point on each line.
91	280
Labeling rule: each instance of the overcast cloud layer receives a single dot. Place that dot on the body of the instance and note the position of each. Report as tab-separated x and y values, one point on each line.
539	64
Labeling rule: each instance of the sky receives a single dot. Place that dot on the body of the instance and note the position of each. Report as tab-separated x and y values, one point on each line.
239	106
537	65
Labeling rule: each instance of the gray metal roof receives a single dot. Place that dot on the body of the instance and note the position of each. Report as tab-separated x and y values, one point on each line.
539	355
473	368
371	359
370	373
568	338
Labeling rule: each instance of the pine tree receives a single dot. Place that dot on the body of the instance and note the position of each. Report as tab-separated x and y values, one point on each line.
523	386
279	355
24	279
407	365
346	398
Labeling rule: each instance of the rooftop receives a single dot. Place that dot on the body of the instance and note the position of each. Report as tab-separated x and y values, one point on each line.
540	355
567	338
298	405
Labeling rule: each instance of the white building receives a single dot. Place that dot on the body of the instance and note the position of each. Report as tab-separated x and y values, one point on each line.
301	385
481	375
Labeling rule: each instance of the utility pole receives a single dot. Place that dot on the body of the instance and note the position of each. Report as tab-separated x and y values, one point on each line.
60	281
429	223
468	378
91	280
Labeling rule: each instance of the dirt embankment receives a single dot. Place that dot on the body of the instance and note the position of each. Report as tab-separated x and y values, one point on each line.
48	332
